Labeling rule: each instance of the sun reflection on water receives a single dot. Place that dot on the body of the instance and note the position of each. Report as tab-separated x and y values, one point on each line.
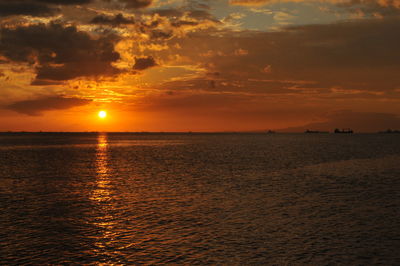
102	197
102	192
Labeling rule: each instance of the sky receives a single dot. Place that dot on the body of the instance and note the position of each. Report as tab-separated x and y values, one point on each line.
199	65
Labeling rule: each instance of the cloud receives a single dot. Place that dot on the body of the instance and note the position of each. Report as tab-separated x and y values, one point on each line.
387	3
161	25
249	2
370	7
35	7
358	121
181	23
40	8
62	2
186	16
142	63
356	62
117	20
378	8
360	57
8	8
60	52
38	106
136	3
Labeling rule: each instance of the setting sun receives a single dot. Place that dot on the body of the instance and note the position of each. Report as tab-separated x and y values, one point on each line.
102	114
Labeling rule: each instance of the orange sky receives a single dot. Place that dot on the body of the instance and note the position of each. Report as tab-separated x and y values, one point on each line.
198	65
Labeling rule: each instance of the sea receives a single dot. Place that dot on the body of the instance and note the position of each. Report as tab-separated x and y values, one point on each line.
199	199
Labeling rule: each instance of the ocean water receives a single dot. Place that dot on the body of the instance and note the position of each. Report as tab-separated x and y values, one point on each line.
235	199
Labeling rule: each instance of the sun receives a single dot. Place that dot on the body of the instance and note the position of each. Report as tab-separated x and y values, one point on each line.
102	114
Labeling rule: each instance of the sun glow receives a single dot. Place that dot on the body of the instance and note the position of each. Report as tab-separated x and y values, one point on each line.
102	114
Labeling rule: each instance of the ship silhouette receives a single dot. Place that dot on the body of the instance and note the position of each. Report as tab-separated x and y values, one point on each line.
343	131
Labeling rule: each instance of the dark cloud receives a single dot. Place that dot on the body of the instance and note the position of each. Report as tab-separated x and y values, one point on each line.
8	8
41	8
181	23
130	3
252	2
350	56
117	20
45	82
37	106
160	34
201	15
142	63
59	52
64	2
199	4
34	7
136	3
360	122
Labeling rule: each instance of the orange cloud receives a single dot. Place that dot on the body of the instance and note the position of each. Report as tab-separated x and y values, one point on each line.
249	2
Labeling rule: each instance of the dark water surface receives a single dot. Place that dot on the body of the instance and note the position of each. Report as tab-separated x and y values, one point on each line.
249	199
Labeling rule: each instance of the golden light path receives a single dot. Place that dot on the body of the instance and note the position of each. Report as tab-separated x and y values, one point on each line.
102	196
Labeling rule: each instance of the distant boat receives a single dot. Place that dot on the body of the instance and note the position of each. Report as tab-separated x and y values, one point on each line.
271	132
344	131
315	131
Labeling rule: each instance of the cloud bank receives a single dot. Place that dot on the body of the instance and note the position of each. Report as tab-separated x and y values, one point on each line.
38	106
59	52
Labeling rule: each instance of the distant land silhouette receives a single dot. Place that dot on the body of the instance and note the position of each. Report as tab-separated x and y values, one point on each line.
358	122
390	131
315	131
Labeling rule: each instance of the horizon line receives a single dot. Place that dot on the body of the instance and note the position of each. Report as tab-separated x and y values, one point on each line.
267	132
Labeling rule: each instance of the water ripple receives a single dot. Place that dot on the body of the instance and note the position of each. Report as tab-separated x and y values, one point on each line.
199	199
